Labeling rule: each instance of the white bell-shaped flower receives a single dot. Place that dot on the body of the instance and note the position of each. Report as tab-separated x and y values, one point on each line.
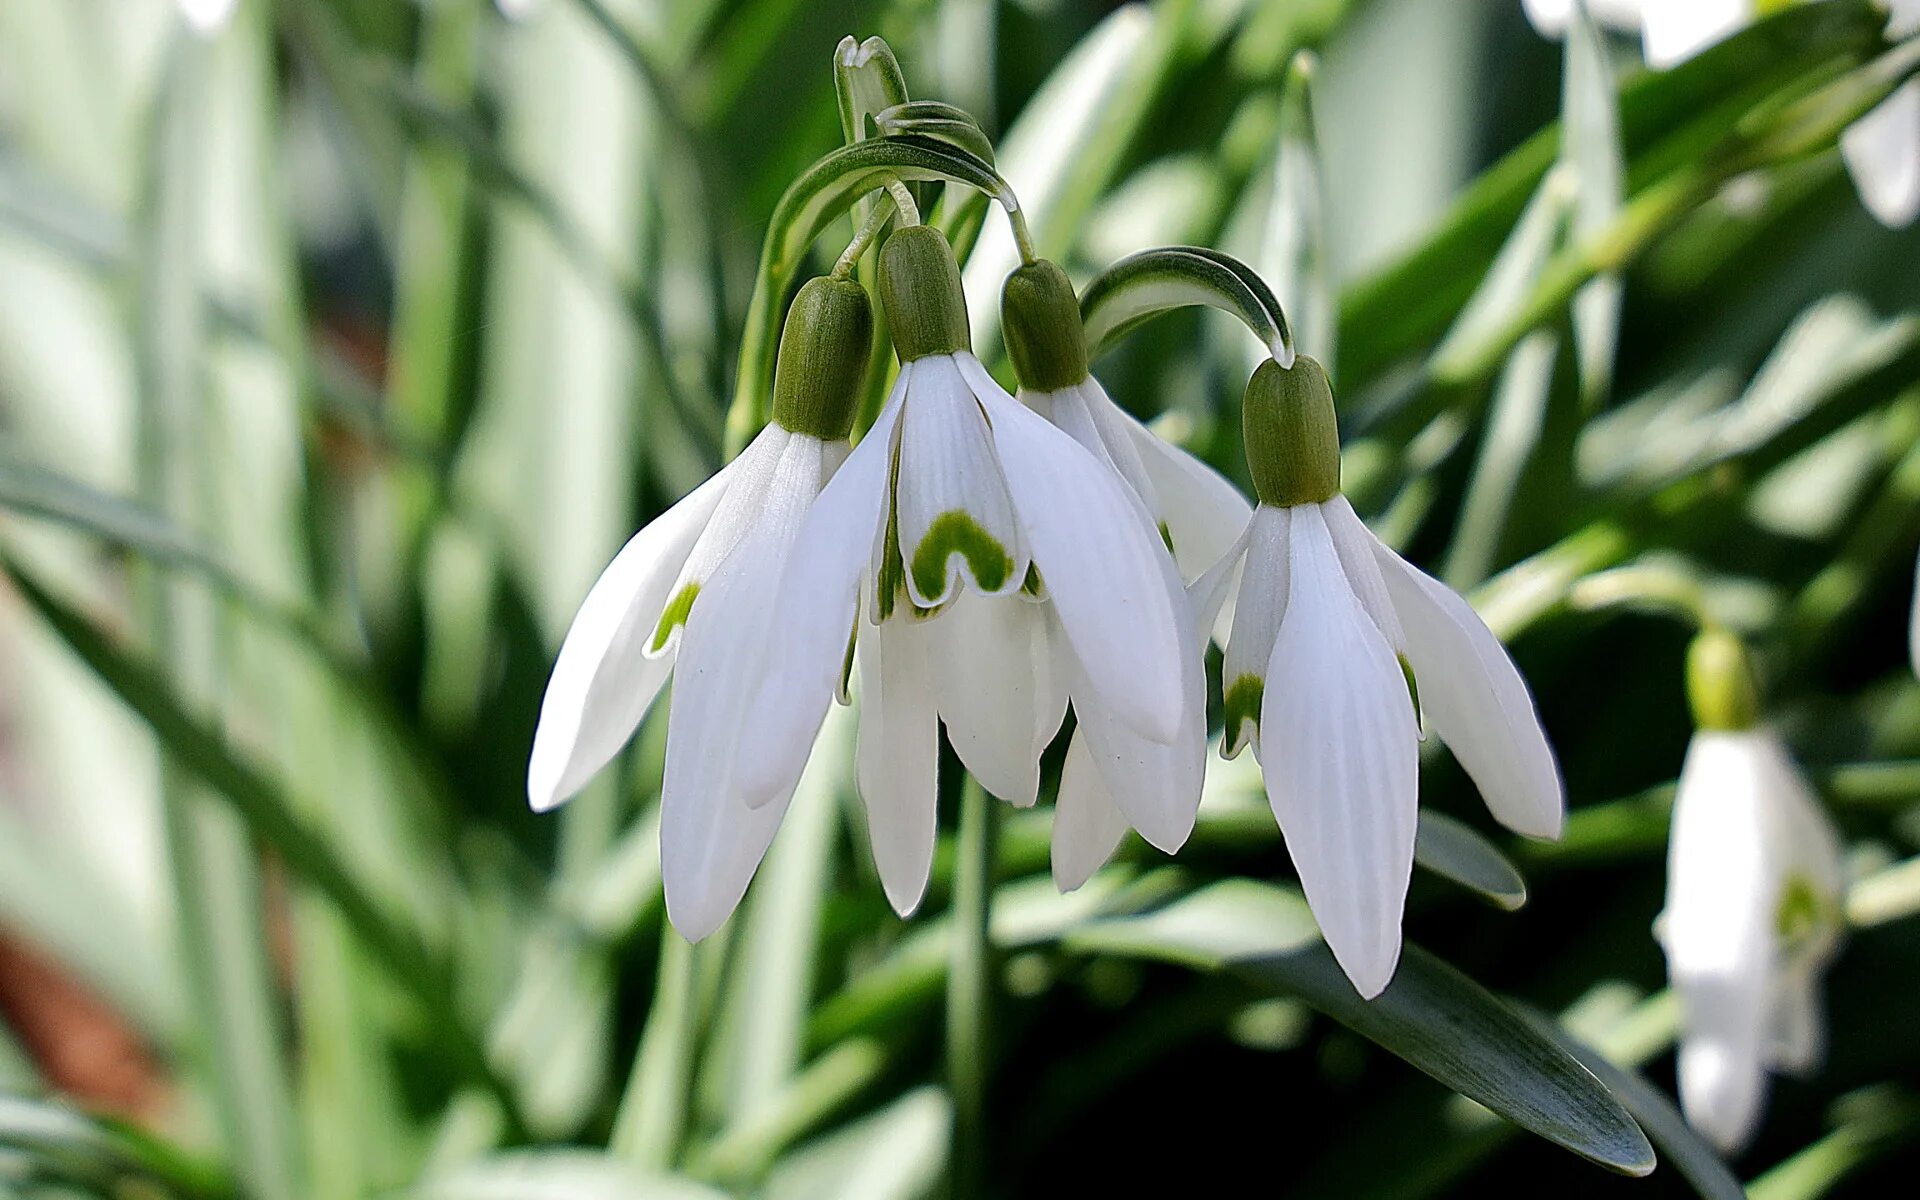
1753	911
1327	625
693	595
1881	149
955	518
1114	779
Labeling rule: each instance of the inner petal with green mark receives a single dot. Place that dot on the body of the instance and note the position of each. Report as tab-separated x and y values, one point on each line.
956	532
1803	915
674	615
1242	703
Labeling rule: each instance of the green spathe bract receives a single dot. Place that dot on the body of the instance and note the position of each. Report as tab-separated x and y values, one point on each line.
1720	683
920	287
822	369
1040	320
1292	435
956	532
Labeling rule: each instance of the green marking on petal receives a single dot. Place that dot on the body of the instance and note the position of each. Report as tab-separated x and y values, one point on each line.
1166	535
1413	685
1032	585
956	532
674	616
1242	703
1803	914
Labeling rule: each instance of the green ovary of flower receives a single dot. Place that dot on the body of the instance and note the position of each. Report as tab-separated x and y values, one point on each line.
956	532
674	615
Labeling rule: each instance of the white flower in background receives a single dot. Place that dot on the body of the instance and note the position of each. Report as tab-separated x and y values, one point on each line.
207	17
1913	622
1113	777
1881	149
1753	912
1313	681
935	545
692	594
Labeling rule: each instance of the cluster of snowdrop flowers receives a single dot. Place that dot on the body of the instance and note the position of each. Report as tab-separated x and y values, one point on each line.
1754	894
1881	149
1328	626
984	562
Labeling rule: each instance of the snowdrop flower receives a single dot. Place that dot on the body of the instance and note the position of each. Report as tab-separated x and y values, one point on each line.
1114	777
1881	149
933	547
1328	621
1754	882
692	595
207	17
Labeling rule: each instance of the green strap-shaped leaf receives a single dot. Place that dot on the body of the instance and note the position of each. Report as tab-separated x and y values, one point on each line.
1590	148
1680	1146
1144	285
1431	1015
62	1144
1458	852
826	189
271	816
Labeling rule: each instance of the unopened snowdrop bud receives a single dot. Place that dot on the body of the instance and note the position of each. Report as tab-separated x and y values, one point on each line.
1753	912
920	286
1327	623
1292	435
822	367
1720	685
1040	320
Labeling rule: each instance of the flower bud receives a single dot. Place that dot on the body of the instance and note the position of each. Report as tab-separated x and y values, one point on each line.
920	287
1040	320
1292	435
822	368
1721	688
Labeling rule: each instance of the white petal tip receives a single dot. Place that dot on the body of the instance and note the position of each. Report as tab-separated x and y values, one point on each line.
1372	977
905	903
1282	354
695	926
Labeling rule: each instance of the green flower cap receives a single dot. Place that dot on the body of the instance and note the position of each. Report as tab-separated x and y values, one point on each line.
822	369
920	288
1292	435
1040	320
1721	688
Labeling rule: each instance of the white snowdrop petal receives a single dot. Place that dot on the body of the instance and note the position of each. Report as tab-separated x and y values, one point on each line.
710	840
1203	512
1155	785
898	756
1100	563
1673	31
1087	826
753	477
1354	543
603	680
1474	697
957	523
1089	416
1717	928
1261	604
996	689
1882	153
816	604
1340	757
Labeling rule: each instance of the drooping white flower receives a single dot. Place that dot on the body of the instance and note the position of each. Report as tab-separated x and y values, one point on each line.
1754	885
1313	681
1111	774
1881	149
989	569
207	17
692	595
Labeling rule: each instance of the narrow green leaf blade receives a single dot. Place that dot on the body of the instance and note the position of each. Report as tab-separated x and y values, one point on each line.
1431	1015
1458	852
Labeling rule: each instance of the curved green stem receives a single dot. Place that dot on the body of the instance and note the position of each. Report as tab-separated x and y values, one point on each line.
970	989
